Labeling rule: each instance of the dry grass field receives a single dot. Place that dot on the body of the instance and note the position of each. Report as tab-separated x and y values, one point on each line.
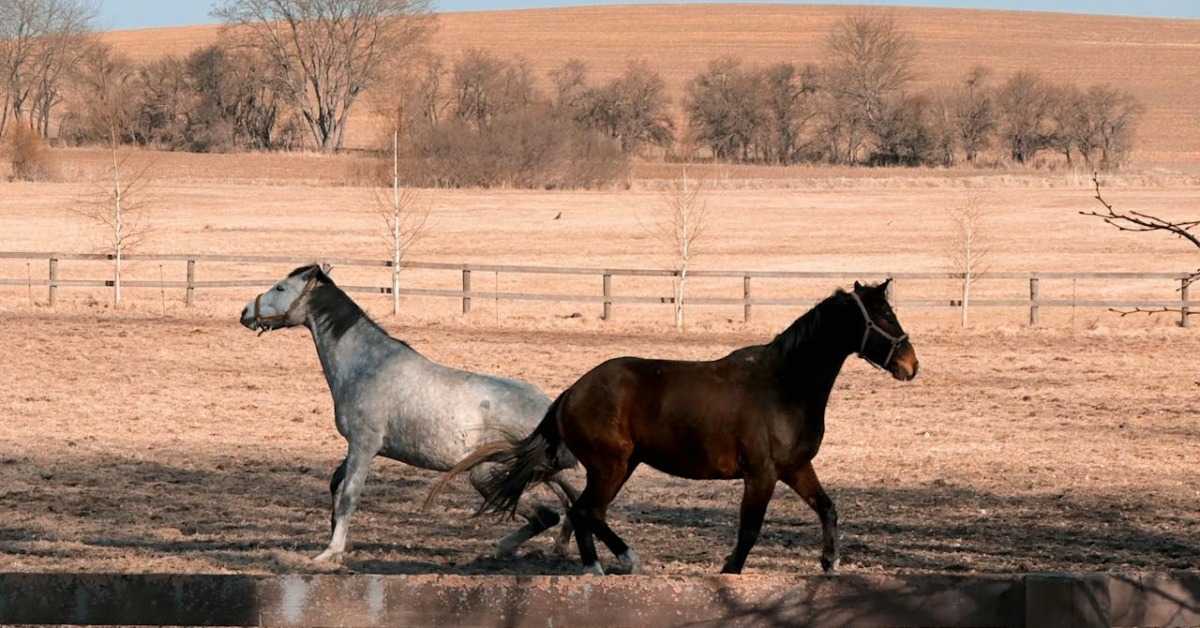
1157	60
156	438
159	438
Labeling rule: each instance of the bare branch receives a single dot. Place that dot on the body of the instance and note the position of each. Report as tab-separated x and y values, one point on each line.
1141	222
1154	310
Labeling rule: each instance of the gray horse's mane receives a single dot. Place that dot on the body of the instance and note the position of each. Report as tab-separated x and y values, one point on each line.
332	309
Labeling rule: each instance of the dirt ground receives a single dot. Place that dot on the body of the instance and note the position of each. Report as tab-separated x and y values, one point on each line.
158	438
135	443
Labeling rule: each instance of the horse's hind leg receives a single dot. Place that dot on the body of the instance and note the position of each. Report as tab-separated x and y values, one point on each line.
805	483
567	495
589	515
538	518
756	494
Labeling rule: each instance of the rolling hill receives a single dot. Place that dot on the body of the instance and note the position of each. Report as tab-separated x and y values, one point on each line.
1158	60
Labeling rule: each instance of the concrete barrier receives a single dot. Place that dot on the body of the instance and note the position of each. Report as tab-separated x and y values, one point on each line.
579	601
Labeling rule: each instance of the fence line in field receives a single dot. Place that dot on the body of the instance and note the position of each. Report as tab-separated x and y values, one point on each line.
606	297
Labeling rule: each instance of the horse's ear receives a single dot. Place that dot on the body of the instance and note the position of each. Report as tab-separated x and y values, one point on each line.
326	268
884	286
857	287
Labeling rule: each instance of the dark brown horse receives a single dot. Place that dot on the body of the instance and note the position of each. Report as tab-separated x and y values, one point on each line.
757	414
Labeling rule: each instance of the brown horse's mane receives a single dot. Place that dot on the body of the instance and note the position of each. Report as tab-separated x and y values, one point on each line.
807	328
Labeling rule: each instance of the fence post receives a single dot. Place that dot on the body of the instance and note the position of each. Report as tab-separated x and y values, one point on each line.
53	282
746	299
1183	295
1033	301
466	290
191	283
607	296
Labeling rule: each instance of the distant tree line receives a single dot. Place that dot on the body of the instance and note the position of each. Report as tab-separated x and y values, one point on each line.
287	73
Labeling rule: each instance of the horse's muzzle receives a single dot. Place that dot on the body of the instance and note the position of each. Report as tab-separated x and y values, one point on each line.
254	322
904	366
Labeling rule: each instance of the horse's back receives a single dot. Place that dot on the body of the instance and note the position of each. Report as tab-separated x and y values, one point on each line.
435	414
692	419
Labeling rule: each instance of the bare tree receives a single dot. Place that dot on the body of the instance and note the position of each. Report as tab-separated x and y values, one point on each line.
1112	116
40	42
724	110
679	222
1141	222
570	83
1024	105
396	206
107	82
974	112
970	247
640	112
328	52
788	95
871	66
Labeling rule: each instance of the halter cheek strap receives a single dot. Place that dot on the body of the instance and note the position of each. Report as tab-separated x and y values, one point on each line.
259	319
870	328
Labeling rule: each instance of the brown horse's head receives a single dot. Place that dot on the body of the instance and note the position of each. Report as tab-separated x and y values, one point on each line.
884	343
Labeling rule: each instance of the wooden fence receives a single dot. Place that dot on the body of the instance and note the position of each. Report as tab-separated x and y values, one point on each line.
747	300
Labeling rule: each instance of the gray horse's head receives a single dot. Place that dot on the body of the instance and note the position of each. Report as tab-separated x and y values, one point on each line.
283	305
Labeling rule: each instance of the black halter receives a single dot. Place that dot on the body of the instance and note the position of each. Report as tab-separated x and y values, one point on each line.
893	341
260	320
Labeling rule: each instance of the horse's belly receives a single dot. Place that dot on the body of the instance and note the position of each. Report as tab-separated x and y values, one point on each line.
694	460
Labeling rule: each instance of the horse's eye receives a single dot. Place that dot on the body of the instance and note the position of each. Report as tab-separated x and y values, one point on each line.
279	288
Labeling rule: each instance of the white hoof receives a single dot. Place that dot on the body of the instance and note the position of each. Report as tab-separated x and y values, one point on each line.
329	556
593	569
629	562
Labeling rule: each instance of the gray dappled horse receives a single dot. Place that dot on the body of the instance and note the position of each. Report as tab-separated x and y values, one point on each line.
391	401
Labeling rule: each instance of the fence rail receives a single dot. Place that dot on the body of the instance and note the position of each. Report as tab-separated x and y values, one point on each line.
607	298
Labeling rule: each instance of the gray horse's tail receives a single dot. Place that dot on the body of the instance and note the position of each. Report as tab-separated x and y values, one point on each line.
535	458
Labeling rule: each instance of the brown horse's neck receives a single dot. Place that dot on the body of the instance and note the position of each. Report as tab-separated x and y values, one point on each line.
812	350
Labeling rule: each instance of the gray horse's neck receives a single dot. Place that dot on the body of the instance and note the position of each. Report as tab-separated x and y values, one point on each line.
352	351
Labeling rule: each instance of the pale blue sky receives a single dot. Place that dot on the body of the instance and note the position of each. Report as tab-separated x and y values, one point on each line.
123	14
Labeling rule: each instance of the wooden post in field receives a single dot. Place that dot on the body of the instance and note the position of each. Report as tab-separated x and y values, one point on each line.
1033	301
190	299
53	282
1183	295
607	296
746	299
466	291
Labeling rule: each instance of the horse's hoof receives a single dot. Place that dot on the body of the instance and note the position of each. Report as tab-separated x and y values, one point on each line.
628	563
593	569
505	553
329	556
829	566
562	550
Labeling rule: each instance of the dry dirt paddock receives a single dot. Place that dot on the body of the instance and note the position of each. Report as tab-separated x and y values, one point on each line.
155	438
150	444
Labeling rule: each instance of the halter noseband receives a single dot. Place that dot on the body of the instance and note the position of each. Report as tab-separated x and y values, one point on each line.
872	327
259	319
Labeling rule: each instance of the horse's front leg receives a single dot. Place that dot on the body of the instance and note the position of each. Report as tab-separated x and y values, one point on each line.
756	494
345	500
806	484
335	484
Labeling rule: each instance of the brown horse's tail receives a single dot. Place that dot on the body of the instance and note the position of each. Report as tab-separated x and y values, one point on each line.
534	458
